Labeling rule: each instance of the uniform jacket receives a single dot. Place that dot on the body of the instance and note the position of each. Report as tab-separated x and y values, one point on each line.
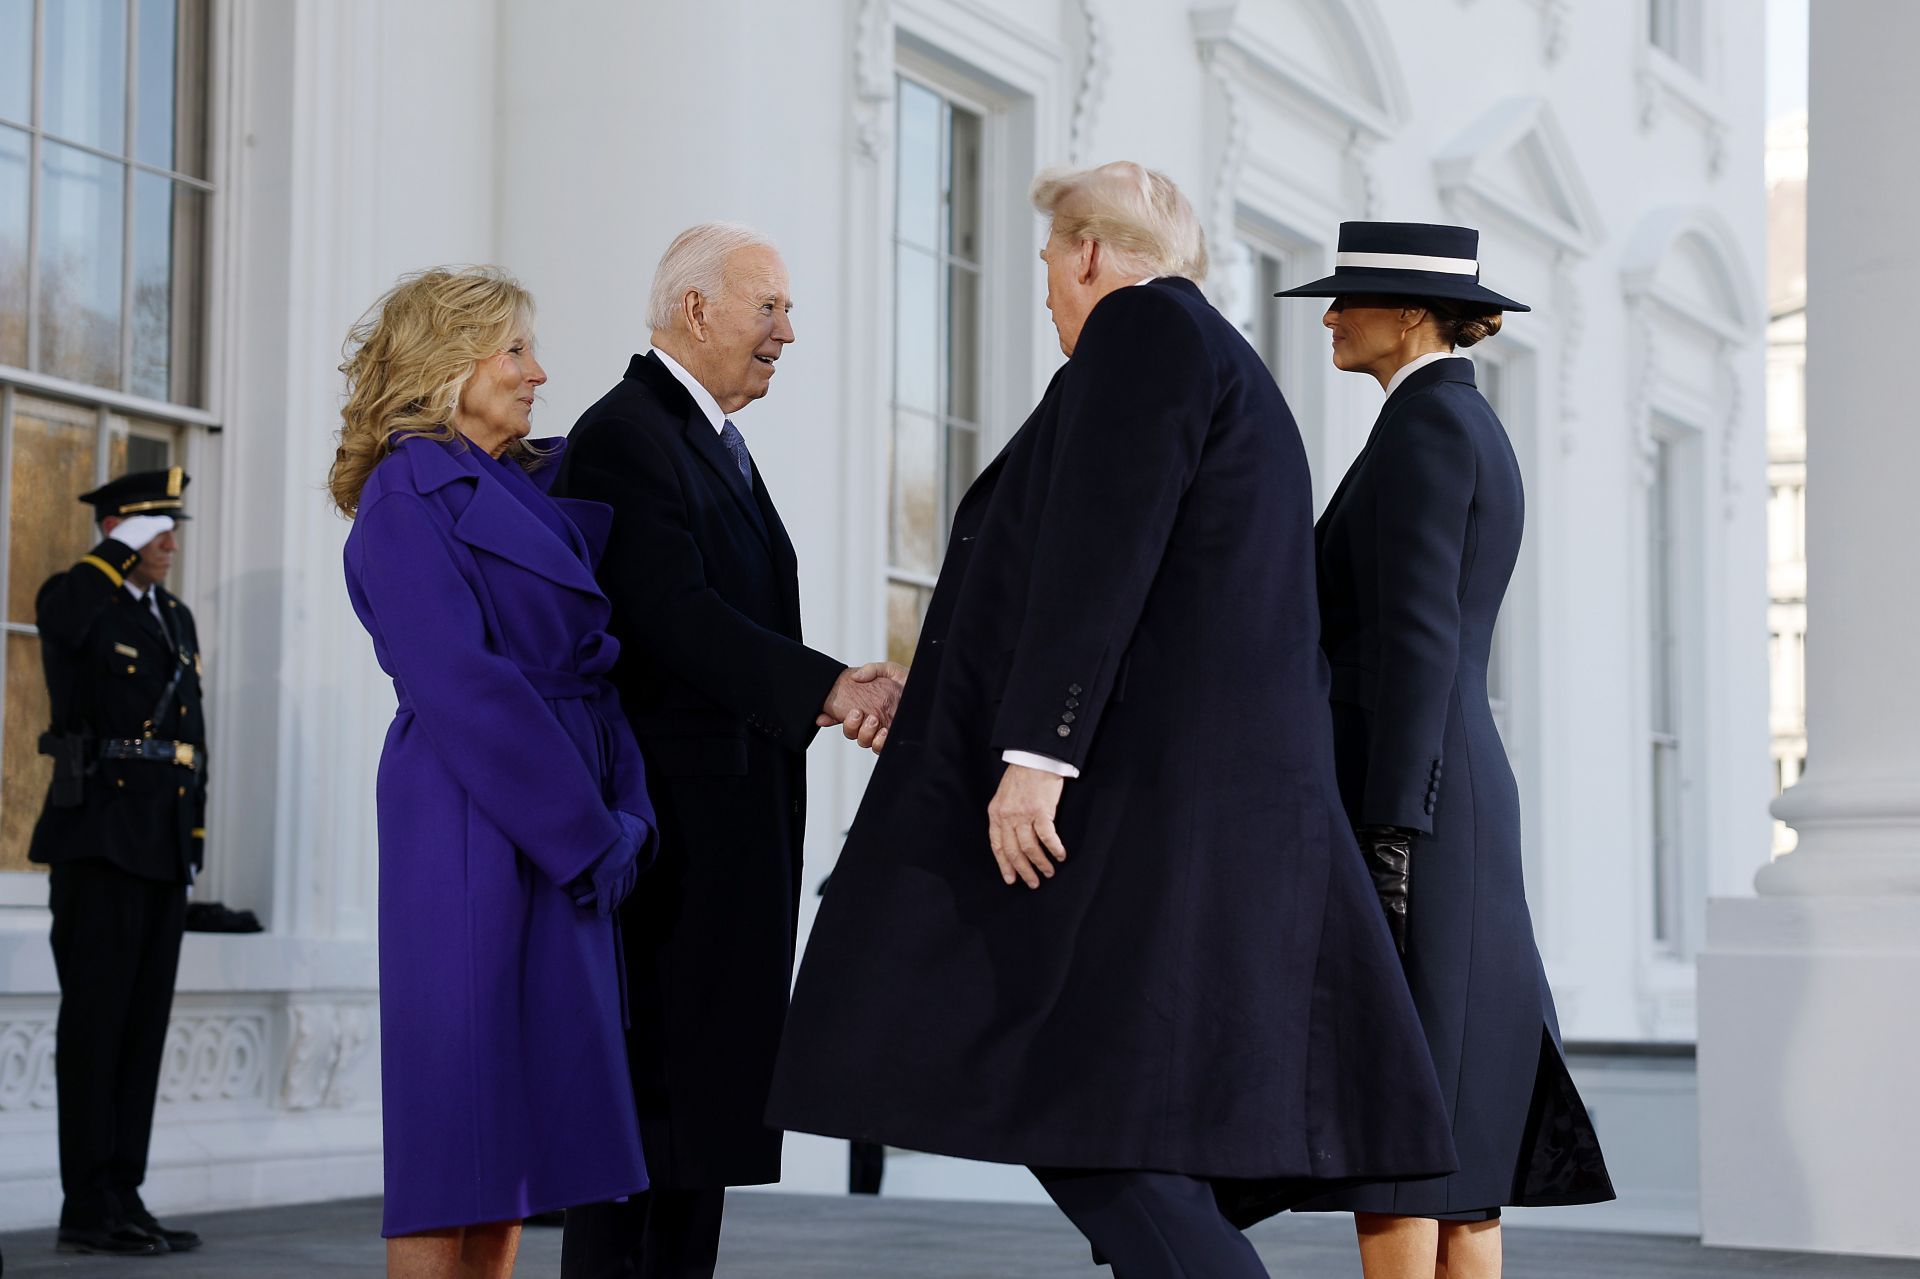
107	662
503	1060
722	694
1206	985
1415	551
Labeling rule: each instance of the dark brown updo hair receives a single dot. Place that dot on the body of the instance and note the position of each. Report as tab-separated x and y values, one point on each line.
1461	323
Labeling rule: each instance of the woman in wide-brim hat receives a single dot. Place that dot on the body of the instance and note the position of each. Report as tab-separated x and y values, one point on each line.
1415	550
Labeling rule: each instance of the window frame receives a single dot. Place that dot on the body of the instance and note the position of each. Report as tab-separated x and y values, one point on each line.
191	428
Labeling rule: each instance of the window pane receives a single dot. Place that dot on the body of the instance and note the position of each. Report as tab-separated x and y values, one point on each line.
916	330
149	450
169	119
917	181
80	220
963	186
963	343
24	787
169	226
48	527
16	59
963	463
85	93
13	247
915	523
906	607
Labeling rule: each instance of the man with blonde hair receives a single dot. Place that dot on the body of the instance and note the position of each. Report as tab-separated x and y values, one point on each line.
724	698
1100	912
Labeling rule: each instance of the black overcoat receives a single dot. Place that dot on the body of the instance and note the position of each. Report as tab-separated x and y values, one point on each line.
1415	550
722	696
1207	985
108	663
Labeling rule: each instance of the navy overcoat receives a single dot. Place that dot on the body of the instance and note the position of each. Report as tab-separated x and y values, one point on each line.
1207	985
502	1058
1415	551
722	694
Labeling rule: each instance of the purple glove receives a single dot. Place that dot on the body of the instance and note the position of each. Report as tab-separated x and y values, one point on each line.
605	884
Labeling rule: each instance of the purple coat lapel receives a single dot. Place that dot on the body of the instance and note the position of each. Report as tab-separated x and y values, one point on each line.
497	522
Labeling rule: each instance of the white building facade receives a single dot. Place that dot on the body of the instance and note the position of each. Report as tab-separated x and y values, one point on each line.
1609	151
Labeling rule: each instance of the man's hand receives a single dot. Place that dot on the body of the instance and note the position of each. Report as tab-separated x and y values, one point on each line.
138	531
1020	824
862	702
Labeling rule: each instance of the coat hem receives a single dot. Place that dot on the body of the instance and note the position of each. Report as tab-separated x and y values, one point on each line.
533	1207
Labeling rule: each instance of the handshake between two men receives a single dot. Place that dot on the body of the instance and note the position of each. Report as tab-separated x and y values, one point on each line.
863	700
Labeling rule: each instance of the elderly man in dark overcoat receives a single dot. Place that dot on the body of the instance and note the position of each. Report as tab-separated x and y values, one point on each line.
723	696
1100	912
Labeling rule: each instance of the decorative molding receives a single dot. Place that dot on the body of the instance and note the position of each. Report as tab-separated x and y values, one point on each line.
1373	102
217	1057
872	79
1556	28
1226	178
1570	310
1525	128
26	1064
1663	88
1731	431
1362	150
1640	338
1093	82
326	1044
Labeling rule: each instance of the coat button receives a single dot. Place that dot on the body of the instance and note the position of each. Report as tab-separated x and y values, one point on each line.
1066	717
183	792
1064	731
1073	703
1074	689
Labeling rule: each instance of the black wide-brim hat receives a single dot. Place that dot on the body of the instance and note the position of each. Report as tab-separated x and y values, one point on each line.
141	493
1407	260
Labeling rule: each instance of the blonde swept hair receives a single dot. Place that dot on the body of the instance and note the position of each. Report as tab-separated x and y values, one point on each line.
409	357
1136	213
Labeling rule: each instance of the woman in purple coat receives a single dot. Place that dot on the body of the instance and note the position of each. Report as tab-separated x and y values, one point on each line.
513	812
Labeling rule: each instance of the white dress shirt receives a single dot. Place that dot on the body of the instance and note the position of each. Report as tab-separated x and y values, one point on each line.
701	395
1417	363
151	598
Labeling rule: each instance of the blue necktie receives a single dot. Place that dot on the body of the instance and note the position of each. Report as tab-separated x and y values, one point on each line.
730	436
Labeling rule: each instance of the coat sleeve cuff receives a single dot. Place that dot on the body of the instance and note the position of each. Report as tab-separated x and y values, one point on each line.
1045	763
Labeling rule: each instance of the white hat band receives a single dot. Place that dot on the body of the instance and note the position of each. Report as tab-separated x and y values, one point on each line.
1408	262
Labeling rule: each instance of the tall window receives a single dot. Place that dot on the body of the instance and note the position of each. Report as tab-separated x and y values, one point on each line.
1677	29
104	194
1664	713
937	383
1257	270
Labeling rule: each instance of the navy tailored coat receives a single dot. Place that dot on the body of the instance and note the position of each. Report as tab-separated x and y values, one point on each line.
1415	551
722	693
1207	985
503	1062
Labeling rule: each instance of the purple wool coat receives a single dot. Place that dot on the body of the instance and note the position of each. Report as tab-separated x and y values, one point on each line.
503	1058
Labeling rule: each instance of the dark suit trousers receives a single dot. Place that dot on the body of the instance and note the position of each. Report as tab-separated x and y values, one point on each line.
662	1234
1152	1225
116	947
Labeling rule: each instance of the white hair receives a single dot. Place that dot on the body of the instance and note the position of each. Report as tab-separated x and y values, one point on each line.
696	262
1137	214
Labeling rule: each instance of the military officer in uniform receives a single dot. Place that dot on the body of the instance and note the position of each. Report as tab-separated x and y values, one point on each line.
122	832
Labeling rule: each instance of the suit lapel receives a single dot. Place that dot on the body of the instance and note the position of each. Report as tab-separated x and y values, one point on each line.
706	445
1450	370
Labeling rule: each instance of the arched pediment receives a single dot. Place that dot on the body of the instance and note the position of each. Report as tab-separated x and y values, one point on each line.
1514	163
1689	261
1333	54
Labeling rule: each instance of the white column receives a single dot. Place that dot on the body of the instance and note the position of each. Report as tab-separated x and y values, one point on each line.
1810	993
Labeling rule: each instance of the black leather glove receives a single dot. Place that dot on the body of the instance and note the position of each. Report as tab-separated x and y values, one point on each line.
1389	854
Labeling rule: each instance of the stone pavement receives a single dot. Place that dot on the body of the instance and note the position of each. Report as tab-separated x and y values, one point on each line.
772	1236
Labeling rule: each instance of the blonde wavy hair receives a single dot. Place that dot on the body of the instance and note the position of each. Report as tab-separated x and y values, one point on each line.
409	357
1137	213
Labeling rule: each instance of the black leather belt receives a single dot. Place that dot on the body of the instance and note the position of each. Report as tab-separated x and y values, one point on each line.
184	754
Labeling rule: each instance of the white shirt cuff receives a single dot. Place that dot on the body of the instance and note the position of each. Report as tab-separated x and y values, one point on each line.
1045	763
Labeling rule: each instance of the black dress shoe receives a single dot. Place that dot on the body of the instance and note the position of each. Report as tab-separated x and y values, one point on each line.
122	1239
172	1240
